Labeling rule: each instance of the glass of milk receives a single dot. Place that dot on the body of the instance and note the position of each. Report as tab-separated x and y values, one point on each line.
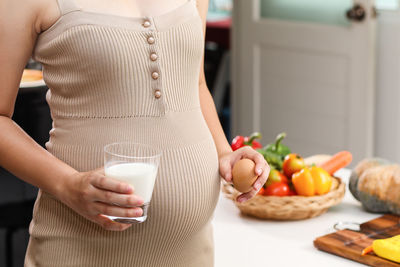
136	164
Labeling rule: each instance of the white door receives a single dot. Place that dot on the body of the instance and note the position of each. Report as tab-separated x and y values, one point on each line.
303	67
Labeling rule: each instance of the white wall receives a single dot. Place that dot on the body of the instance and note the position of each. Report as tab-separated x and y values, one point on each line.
387	117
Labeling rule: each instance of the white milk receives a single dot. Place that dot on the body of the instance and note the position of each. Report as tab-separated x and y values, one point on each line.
141	175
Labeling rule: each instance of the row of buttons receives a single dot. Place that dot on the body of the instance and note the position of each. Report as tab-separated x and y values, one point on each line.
153	57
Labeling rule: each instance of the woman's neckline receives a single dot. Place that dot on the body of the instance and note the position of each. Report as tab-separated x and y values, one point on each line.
133	18
75	17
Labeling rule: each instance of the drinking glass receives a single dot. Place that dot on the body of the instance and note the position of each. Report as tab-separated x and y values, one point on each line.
137	165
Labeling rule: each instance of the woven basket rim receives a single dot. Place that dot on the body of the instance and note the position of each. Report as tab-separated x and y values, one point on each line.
288	207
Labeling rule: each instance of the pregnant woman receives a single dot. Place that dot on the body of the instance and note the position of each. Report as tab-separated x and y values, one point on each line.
117	71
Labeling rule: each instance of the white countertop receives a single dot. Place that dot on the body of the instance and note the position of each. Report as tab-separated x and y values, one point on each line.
245	241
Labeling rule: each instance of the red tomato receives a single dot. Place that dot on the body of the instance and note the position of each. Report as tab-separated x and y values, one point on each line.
284	179
277	189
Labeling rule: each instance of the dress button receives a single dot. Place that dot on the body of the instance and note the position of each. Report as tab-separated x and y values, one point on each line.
157	94
146	24
150	40
155	75
153	56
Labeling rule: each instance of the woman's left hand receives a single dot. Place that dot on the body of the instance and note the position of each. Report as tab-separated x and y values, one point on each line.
227	162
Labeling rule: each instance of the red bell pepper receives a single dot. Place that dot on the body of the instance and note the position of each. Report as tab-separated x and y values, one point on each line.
241	141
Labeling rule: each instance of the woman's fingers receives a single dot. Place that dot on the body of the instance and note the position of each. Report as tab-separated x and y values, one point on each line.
110	184
258	159
261	179
256	186
225	169
91	194
261	164
108	224
124	200
246	196
249	153
117	211
261	168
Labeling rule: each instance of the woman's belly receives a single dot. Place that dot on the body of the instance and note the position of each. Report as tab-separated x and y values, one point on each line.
185	193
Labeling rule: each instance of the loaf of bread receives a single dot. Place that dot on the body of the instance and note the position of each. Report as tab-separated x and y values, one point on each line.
375	183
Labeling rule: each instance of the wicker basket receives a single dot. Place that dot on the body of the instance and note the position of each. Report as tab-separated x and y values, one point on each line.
287	208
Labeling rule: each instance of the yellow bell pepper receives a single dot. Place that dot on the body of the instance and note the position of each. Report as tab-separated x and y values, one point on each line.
322	180
303	182
388	248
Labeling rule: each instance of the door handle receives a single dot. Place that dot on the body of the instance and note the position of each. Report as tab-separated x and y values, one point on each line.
356	13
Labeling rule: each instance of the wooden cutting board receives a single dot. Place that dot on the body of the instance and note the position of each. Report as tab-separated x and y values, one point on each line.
349	244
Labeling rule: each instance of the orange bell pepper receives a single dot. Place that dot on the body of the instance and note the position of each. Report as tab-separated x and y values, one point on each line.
303	182
322	180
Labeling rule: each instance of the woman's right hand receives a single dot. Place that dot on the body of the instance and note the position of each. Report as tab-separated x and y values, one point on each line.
93	195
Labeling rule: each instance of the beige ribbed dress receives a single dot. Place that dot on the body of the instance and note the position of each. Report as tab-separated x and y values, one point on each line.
111	79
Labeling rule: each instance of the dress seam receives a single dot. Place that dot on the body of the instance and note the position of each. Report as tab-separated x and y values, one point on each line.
165	149
168	112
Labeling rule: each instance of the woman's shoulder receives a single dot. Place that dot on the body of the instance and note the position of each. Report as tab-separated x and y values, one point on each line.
40	14
49	13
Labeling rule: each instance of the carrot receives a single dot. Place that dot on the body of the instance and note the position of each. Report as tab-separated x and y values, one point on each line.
366	250
338	161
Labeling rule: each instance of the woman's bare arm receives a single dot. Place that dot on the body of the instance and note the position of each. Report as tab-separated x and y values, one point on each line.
207	103
19	26
88	193
227	158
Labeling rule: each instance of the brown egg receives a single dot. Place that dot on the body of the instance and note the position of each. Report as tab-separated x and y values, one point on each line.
243	175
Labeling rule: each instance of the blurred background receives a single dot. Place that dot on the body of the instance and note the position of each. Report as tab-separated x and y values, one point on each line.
325	72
